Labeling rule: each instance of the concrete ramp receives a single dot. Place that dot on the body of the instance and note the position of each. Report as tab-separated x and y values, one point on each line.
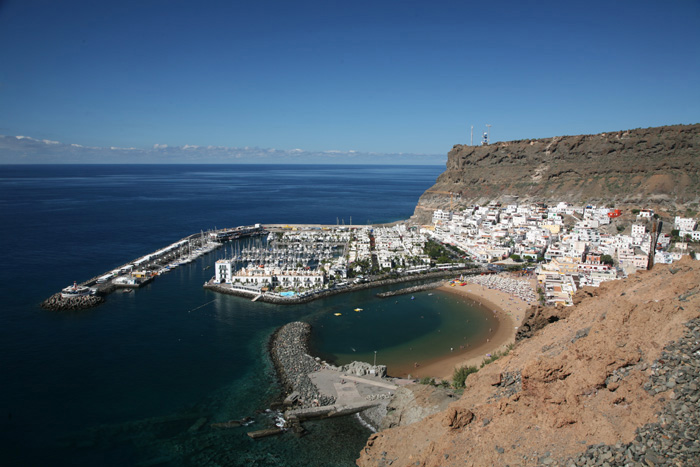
328	411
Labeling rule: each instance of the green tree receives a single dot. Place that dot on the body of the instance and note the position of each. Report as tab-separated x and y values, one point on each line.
607	259
459	376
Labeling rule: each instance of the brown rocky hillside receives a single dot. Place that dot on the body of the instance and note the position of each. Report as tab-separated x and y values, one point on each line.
614	381
654	165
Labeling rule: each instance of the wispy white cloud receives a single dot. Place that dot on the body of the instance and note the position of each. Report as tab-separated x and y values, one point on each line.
24	149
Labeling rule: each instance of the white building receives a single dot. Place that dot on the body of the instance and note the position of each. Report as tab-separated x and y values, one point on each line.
441	216
684	223
638	230
223	271
694	235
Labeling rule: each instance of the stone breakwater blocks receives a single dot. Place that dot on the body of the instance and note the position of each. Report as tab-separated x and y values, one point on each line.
417	288
57	303
293	364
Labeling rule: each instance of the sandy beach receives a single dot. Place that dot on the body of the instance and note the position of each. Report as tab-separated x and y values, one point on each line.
509	311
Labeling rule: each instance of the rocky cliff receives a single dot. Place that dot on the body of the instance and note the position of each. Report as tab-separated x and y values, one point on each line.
654	165
613	380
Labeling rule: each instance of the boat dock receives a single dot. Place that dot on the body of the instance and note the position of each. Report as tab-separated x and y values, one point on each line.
145	269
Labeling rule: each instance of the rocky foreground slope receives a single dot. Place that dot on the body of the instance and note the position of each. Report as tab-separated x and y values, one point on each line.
614	380
654	165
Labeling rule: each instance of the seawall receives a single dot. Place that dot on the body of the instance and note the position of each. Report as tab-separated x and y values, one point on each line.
288	350
279	300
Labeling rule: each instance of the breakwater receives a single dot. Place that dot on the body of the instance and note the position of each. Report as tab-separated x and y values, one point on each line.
408	290
288	350
144	269
56	302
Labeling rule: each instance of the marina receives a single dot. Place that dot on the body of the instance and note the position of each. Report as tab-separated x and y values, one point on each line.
276	263
145	269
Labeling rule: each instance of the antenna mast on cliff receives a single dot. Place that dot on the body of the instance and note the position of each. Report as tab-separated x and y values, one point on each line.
488	134
471	141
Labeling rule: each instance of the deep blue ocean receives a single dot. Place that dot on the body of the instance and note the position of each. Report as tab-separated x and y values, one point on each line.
123	383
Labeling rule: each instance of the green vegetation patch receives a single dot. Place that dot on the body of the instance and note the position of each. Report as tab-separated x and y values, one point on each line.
459	377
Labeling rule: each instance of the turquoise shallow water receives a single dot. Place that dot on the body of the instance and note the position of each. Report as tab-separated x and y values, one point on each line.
123	383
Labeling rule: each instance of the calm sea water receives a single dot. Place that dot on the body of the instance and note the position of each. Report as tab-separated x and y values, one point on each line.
123	383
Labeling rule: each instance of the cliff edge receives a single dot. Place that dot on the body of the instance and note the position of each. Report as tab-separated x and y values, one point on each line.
658	165
612	380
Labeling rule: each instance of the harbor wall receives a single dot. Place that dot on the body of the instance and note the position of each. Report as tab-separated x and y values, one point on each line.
279	300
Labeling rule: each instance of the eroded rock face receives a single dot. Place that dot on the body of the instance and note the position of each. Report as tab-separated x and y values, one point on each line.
657	165
537	317
597	377
457	418
415	402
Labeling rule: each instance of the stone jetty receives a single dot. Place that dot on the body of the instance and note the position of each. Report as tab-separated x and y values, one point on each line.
407	290
288	349
56	302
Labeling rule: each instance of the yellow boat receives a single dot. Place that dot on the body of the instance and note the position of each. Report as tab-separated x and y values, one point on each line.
337	314
358	309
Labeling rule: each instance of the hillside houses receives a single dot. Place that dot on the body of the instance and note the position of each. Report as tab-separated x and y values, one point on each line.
570	240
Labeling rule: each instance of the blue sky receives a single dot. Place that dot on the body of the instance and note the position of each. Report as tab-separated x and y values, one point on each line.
379	77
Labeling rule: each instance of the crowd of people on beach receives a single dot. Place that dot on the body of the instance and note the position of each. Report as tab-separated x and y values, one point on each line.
520	288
